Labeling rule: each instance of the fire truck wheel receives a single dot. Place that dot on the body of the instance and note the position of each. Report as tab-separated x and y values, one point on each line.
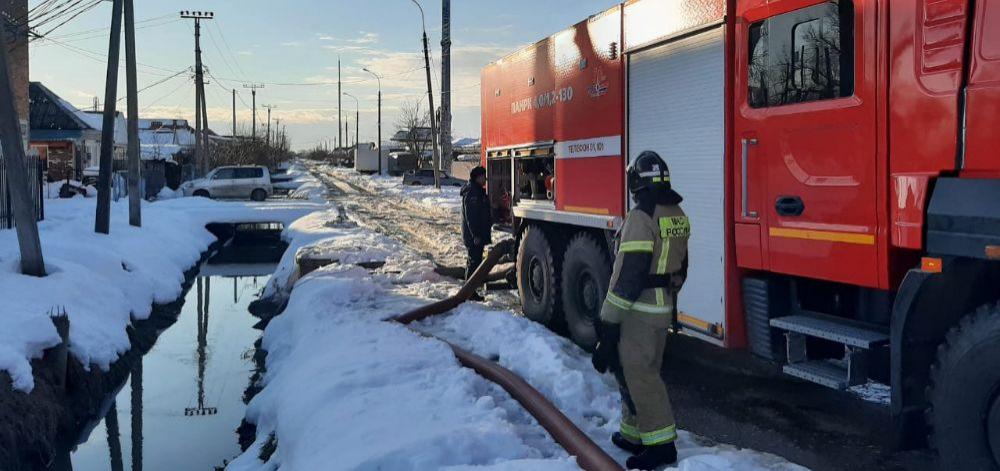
585	276
965	393
537	276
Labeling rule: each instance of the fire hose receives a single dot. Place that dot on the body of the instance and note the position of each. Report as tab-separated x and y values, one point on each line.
588	455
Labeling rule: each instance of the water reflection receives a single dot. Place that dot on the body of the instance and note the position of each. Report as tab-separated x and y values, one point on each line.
181	420
202	341
136	388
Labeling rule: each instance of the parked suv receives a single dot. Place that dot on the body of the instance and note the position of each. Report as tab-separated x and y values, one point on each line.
426	177
241	182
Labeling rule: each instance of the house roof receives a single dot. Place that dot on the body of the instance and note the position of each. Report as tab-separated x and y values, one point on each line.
50	112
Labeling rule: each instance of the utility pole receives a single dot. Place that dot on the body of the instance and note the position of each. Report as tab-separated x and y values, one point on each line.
430	99
268	138
102	221
446	152
340	141
201	121
198	135
357	119
377	77
134	198
13	155
234	113
253	92
207	149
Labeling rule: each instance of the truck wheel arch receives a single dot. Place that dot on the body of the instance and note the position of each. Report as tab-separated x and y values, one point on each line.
927	306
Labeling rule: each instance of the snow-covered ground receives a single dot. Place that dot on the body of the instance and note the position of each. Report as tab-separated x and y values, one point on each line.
300	184
446	200
104	281
345	390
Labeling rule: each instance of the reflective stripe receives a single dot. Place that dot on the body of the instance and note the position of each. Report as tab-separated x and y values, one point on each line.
636	246
661	266
659	297
659	437
619	302
661	179
630	432
651	309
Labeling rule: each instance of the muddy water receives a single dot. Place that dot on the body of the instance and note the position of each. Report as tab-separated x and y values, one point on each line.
183	401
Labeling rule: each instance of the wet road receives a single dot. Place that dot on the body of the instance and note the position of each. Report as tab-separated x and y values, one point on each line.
732	397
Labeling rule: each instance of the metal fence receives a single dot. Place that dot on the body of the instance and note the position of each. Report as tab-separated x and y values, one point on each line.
36	178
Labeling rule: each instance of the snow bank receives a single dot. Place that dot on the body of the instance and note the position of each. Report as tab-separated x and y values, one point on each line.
104	281
344	387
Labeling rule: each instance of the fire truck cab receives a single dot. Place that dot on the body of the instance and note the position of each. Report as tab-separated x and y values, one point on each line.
839	167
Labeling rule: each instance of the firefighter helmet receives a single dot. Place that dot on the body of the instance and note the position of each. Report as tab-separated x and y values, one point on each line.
648	170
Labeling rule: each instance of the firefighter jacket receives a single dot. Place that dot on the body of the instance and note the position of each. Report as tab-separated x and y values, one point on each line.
650	266
477	223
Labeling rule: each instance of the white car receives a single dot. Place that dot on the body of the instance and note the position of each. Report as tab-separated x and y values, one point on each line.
240	182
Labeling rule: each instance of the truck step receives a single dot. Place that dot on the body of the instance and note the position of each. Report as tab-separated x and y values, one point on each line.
845	331
825	372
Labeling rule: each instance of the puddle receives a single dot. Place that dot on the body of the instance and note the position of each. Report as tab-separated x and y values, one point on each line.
183	401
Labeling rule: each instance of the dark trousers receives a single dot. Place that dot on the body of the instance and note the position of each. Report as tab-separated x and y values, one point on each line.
474	259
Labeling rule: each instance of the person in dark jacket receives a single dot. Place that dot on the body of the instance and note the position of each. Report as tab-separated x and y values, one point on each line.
477	224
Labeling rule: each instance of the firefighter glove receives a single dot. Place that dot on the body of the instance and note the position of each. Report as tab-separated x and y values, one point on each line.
606	352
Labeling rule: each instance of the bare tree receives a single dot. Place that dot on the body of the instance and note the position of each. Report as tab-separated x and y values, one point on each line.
412	119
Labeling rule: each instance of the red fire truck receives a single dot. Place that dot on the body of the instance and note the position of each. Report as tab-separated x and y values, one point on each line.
839	165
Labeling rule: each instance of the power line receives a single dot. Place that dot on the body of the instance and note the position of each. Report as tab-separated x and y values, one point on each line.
82	10
225	61
103	58
226	43
171	93
105	30
158	82
101	33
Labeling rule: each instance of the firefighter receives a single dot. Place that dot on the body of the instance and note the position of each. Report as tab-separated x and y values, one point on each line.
477	224
649	270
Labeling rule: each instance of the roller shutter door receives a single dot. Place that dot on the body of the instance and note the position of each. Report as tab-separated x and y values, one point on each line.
676	108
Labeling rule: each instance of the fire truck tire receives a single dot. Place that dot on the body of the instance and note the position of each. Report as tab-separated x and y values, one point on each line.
586	273
965	393
538	276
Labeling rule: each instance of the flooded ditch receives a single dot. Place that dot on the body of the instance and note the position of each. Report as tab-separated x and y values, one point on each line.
177	399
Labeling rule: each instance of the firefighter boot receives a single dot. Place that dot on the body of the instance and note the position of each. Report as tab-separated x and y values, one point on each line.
631	447
653	457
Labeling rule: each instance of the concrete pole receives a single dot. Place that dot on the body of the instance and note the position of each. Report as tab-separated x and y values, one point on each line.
134	169
102	221
13	154
446	151
340	137
234	113
430	99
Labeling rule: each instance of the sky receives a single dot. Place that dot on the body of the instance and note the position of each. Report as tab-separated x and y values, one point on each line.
292	48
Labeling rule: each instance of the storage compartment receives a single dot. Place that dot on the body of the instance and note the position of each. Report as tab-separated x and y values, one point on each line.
522	175
535	177
498	187
676	107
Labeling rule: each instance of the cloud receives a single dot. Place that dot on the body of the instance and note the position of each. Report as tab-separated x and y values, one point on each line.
291	44
244	53
365	37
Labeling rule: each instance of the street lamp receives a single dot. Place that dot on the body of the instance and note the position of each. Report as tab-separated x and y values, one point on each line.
357	119
430	99
377	77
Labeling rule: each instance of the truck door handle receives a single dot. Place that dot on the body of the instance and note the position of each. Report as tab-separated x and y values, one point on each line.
745	157
789	206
